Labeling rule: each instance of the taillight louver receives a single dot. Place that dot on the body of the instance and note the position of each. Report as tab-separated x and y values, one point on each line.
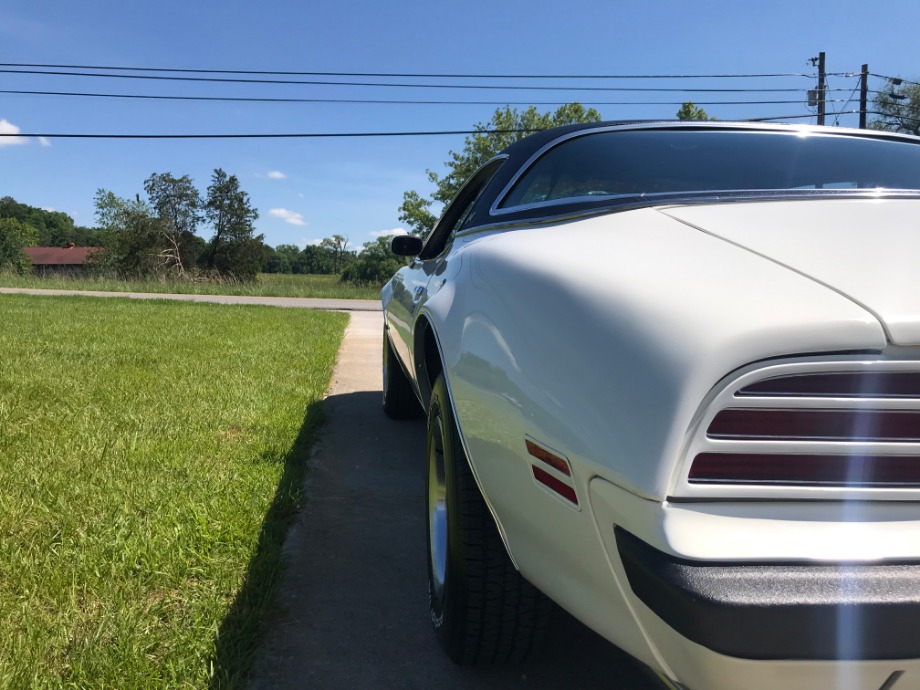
854	429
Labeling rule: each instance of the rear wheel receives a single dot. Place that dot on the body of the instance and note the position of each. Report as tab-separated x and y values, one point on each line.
482	609
399	401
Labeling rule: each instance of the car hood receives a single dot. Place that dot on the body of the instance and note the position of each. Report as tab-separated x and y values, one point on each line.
866	250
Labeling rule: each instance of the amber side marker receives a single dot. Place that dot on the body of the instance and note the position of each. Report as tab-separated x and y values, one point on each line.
550	459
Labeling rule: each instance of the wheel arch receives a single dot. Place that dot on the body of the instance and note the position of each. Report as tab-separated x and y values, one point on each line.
429	364
429	360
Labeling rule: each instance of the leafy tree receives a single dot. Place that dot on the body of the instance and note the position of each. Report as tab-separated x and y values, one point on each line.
506	126
272	262
130	234
14	235
374	265
233	249
178	208
280	259
287	255
415	212
898	108
337	246
55	229
314	260
688	111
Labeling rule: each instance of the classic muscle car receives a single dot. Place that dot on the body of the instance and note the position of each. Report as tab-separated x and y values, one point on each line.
672	379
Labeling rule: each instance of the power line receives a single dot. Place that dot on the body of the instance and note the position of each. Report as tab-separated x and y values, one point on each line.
510	87
895	79
373	101
413	75
843	112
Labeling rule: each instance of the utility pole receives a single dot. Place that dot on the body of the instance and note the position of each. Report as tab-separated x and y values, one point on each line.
821	88
863	95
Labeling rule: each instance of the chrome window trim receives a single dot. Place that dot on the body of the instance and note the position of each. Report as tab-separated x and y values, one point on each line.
434	234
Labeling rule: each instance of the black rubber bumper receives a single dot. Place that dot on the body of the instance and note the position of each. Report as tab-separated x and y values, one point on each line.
781	611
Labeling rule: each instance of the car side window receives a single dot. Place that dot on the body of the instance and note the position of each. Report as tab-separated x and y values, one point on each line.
460	213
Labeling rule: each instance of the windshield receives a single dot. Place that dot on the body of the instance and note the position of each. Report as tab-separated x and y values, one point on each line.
637	162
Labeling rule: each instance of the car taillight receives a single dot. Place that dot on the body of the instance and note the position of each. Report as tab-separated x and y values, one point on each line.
843	428
826	470
885	384
816	425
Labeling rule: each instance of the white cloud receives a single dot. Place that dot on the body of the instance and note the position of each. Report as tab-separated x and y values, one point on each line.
277	175
287	216
7	127
388	233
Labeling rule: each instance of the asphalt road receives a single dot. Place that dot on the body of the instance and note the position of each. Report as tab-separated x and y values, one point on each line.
296	302
353	607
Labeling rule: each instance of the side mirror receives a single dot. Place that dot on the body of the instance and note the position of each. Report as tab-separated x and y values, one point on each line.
406	245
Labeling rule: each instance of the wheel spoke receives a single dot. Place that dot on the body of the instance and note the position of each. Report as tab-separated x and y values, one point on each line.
437	507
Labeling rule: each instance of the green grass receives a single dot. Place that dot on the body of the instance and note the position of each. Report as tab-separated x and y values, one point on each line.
266	285
151	456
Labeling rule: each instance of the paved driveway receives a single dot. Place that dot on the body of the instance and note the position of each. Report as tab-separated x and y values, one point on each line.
353	609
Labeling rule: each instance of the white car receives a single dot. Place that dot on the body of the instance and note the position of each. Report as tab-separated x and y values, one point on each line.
672	380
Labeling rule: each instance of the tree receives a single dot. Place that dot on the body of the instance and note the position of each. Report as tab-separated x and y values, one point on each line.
178	207
233	249
14	235
374	265
898	110
130	235
314	260
506	126
688	111
414	212
55	229
337	246
281	259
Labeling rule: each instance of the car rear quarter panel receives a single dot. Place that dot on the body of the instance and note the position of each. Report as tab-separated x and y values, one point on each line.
599	339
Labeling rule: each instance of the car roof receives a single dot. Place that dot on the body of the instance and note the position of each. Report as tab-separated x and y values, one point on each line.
525	150
534	142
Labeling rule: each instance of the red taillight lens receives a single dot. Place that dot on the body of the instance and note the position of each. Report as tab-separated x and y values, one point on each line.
784	424
828	470
885	384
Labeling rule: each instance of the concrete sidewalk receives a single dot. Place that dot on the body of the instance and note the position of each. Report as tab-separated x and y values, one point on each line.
296	302
353	607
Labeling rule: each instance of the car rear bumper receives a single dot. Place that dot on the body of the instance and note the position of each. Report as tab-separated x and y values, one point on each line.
780	611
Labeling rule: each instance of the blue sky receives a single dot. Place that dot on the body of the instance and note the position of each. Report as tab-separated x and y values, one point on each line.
309	189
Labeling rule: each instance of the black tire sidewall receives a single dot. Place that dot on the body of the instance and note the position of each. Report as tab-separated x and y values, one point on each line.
399	401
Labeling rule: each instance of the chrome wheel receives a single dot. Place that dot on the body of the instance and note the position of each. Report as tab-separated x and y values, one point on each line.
437	507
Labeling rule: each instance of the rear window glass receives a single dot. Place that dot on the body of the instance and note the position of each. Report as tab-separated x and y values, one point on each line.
633	163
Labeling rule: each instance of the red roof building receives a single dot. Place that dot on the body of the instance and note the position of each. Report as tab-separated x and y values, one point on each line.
69	259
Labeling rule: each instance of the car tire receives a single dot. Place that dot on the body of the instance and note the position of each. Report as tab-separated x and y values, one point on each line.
399	401
482	609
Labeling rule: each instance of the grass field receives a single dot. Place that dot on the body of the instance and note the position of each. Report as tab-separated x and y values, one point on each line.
266	285
151	456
